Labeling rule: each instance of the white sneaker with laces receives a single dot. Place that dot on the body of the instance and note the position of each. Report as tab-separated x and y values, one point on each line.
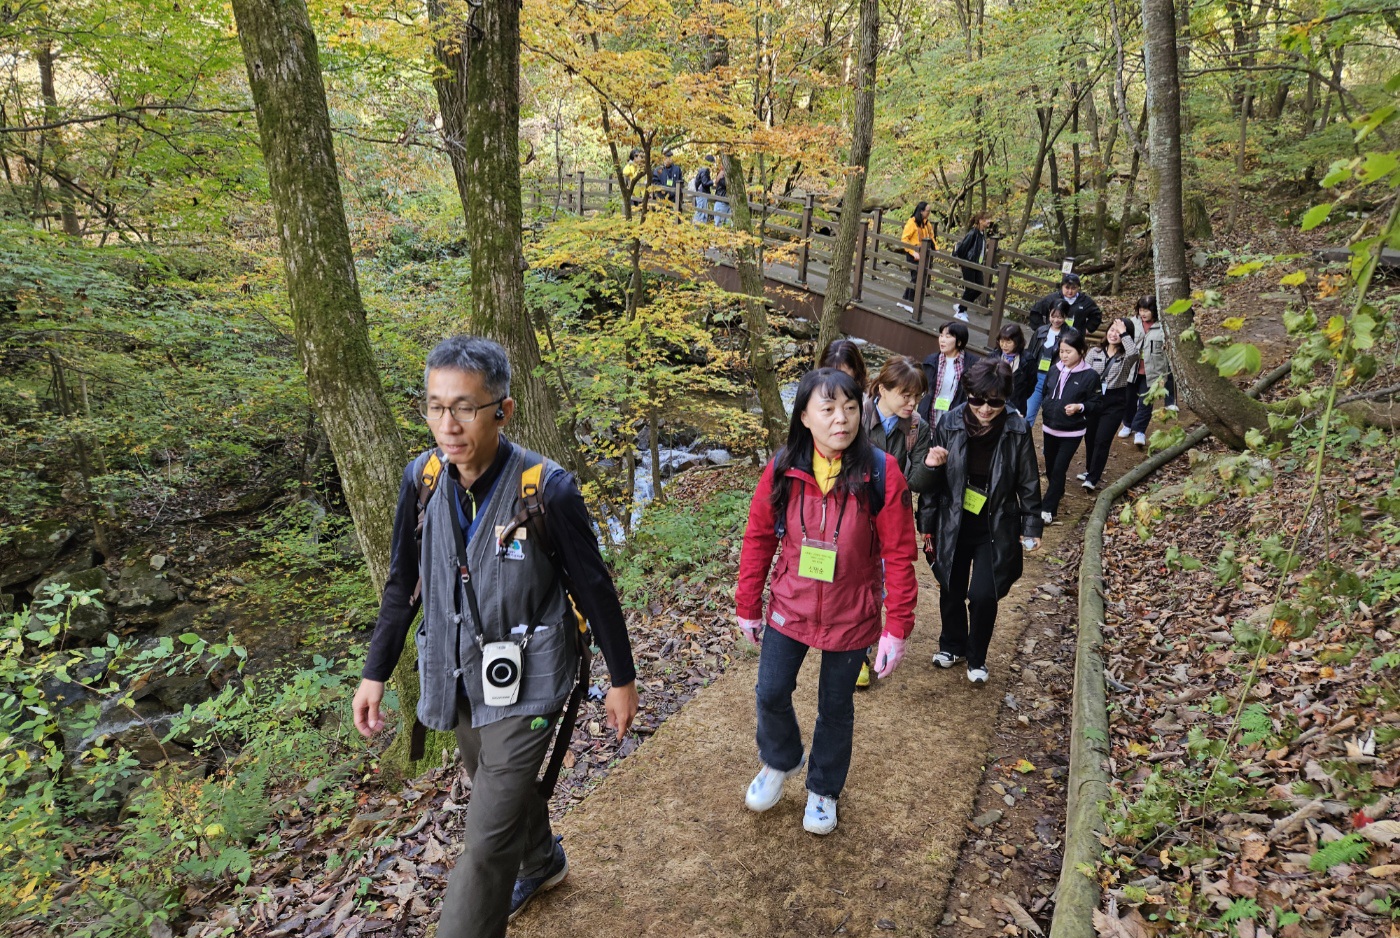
977	675
1173	408
959	314
1082	476
1046	517
946	659
820	816
1088	485
905	306
1139	440
766	789
1124	432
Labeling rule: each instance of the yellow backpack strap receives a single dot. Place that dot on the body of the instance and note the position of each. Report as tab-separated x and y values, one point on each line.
530	480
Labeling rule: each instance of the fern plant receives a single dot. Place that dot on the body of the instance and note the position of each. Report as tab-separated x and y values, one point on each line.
1352	848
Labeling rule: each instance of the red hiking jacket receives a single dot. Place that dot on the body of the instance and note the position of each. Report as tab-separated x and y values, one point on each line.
843	615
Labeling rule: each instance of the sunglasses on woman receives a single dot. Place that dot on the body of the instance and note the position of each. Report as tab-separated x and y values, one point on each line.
993	402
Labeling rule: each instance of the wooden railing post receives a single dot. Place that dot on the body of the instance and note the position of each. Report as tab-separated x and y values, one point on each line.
879	218
998	305
920	279
581	190
680	198
804	251
990	260
858	269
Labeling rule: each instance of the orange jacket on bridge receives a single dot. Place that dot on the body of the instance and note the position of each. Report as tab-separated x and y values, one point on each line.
914	233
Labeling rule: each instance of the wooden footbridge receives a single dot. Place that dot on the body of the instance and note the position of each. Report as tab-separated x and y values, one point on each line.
882	269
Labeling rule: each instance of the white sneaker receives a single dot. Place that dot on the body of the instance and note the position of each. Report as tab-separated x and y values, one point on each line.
1124	432
905	306
1139	440
959	314
1088	485
946	659
1046	517
1082	476
766	789
820	816
1173	408
977	675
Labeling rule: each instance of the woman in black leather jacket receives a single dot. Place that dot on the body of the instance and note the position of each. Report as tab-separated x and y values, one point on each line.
985	497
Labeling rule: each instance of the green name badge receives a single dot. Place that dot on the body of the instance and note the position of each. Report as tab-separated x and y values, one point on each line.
973	501
1045	364
817	561
1070	323
942	403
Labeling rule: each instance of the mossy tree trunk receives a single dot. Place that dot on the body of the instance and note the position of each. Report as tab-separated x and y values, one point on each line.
478	91
765	375
332	337
1224	408
838	284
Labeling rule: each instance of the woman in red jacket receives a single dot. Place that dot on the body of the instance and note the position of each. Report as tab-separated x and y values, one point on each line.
832	514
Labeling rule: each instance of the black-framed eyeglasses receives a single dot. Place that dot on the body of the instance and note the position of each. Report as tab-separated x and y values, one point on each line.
462	413
985	402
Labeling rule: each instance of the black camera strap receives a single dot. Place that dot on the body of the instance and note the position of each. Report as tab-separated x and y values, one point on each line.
464	571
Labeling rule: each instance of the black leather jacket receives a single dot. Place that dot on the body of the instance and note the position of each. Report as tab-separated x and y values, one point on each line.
1013	497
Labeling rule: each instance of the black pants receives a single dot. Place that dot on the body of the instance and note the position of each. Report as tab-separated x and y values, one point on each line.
913	277
1058	453
973	294
969	598
1103	425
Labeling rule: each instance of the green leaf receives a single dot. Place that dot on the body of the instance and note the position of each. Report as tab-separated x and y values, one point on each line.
1179	307
1339	172
1243	270
1349	849
1239	358
1367	125
1095	734
189	638
1316	216
1363	328
1377	166
1297	278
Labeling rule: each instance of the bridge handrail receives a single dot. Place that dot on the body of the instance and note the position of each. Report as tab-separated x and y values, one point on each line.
879	258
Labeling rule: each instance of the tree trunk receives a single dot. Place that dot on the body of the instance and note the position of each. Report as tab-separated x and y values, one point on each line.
45	60
765	376
1123	222
332	336
838	283
1043	148
1224	408
478	91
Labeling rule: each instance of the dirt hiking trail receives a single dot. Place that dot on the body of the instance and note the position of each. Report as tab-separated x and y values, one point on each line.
666	847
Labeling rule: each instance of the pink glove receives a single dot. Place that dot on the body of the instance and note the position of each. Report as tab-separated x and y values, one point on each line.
752	629
889	655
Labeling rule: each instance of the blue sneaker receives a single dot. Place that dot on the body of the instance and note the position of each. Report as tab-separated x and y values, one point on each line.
527	889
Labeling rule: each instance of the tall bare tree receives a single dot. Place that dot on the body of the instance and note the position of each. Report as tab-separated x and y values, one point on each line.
332	336
1224	408
478	91
838	284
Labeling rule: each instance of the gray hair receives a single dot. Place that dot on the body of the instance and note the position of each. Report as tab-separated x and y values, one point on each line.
474	355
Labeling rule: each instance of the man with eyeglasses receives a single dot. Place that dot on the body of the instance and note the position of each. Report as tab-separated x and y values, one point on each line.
497	654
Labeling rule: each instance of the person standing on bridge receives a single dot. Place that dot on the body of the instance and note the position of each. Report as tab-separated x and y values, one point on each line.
837	513
720	203
985	495
704	184
917	230
945	373
1081	311
498	684
972	247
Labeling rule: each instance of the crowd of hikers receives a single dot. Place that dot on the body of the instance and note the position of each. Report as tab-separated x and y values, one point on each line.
495	546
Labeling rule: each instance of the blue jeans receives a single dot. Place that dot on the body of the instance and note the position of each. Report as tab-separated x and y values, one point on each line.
780	739
1033	405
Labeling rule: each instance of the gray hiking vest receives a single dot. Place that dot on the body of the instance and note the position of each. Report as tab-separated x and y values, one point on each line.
508	590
